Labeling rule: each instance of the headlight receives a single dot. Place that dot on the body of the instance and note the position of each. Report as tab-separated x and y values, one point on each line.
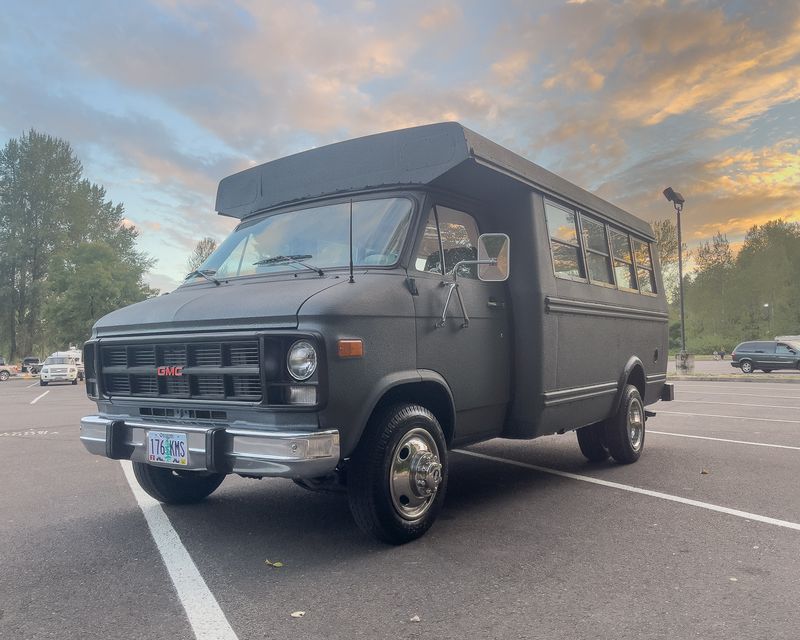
73	370
302	360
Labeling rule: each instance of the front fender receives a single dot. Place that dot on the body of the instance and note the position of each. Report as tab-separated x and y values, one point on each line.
386	385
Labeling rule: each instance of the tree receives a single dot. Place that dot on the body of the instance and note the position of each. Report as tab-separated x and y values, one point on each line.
667	241
666	235
95	281
38	174
726	298
202	250
47	213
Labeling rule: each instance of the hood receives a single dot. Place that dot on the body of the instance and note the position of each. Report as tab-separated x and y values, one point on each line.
262	303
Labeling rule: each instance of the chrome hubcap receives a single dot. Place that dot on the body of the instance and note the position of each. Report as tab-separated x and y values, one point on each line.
415	474
636	424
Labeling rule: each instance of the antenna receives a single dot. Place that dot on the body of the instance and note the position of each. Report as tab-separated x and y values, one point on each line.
351	241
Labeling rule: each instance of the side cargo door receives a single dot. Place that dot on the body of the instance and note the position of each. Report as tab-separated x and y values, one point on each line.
475	360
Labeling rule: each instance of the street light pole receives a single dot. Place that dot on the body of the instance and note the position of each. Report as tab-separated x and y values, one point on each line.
768	306
677	201
678	209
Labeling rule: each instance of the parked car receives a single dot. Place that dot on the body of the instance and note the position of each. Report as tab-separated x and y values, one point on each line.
766	355
6	370
31	364
58	368
75	356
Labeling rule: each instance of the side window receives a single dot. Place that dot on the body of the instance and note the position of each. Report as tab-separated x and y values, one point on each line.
459	234
429	257
784	349
623	260
644	266
564	242
595	243
459	241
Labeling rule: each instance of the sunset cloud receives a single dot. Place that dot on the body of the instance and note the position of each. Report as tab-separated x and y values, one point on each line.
163	98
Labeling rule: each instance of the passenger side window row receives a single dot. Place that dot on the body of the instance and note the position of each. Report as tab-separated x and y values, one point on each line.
587	249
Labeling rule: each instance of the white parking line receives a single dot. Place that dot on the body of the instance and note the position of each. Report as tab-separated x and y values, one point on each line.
32	385
37	398
743	386
714	415
205	616
729	393
755	444
647	492
736	404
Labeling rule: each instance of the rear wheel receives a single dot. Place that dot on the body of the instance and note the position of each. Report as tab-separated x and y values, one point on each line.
176	487
591	440
397	477
4	375
624	431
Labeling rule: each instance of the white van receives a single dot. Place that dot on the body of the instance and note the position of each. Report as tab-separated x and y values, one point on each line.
62	366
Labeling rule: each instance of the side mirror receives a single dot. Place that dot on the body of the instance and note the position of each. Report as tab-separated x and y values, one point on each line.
495	250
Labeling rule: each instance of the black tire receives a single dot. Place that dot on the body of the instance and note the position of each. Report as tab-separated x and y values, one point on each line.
4	375
591	440
746	366
374	501
624	444
176	487
42	383
75	381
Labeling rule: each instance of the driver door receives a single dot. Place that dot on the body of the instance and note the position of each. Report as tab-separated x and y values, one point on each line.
474	359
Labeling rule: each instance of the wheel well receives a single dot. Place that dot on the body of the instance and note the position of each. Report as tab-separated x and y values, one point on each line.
637	379
430	395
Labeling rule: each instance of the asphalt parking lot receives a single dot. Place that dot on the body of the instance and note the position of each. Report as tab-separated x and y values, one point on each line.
699	539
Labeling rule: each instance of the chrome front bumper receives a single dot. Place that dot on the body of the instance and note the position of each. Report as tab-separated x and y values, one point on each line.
295	454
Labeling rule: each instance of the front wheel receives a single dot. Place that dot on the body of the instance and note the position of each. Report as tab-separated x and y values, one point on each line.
42	383
397	477
624	431
4	375
75	381
172	486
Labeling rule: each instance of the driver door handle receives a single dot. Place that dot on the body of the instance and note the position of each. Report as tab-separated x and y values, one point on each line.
496	304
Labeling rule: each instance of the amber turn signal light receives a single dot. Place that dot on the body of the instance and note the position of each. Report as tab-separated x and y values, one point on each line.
351	348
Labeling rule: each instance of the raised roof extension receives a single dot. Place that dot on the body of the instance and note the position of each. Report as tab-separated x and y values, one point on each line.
418	156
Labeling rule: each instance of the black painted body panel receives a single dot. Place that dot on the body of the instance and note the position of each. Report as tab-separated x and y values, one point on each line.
555	359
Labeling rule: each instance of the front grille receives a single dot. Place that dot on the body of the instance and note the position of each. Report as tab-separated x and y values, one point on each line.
205	370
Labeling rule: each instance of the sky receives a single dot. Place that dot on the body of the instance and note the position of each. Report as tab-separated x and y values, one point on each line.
161	99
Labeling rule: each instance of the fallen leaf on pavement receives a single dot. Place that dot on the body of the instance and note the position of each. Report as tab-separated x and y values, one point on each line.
298	614
273	564
415	619
704	472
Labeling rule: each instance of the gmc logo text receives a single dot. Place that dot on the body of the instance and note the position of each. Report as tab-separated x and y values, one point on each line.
169	371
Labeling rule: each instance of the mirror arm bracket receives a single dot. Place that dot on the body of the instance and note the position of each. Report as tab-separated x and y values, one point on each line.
454	286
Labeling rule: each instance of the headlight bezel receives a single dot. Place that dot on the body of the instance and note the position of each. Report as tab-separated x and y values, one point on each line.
309	346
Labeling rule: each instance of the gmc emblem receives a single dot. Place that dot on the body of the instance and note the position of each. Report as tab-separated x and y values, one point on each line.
169	371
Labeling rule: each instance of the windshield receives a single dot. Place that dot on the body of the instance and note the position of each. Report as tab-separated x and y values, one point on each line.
320	236
57	361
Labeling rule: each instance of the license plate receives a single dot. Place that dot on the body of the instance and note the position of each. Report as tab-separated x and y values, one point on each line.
167	448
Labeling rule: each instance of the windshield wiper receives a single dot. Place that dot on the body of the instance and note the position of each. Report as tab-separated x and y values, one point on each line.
205	273
297	259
